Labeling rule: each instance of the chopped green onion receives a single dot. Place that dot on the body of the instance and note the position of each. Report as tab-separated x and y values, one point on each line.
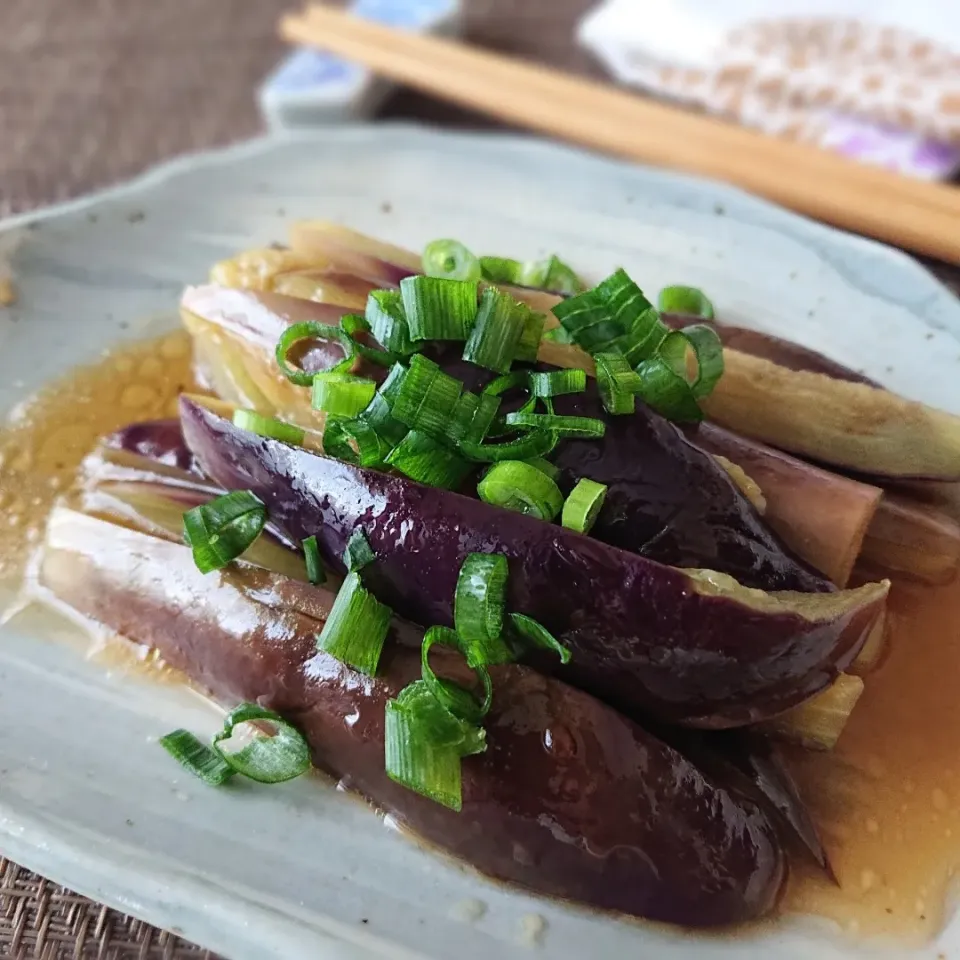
665	386
438	309
496	334
629	307
537	634
500	385
582	507
267	427
424	744
544	466
551	274
554	275
342	394
266	758
356	628
515	485
311	552
529	345
356	326
358	553
708	350
686	300
388	322
472	416
426	397
457	699
617	382
501	270
219	531
556	383
587	320
451	260
379	412
353	324
423	459
354	441
478	608
537	443
298	332
558	335
585	427
202	761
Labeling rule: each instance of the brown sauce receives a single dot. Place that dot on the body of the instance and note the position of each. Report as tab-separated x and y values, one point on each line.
887	798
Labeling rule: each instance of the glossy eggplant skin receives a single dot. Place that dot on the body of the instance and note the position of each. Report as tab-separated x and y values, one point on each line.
571	799
666	498
159	440
647	638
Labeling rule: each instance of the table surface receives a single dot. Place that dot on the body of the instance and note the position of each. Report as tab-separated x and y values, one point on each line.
95	91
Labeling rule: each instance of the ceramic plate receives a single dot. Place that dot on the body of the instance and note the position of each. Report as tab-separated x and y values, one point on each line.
303	871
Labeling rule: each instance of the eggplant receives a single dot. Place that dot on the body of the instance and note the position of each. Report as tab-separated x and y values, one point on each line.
666	499
782	352
684	646
157	440
571	799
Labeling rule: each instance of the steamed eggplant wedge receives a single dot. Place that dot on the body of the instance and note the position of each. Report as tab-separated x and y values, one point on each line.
666	499
658	838
687	646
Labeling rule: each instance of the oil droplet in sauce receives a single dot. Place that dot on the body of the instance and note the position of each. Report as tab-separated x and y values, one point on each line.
894	850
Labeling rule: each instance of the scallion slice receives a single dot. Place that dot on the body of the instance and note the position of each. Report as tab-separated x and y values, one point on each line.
708	351
617	382
356	326
355	441
472	416
496	334
686	300
202	761
529	345
515	485
438	309
388	323
478	608
558	335
299	332
221	530
538	635
556	383
311	552
379	412
588	321
341	394
545	466
536	443
358	553
424	745
423	459
356	628
265	758
256	423
550	274
462	703
664	383
501	270
582	507
583	427
426	397
451	260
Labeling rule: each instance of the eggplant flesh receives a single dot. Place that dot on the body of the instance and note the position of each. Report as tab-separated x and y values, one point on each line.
684	646
570	799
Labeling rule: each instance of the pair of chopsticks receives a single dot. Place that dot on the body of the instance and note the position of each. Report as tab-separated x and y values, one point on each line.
919	216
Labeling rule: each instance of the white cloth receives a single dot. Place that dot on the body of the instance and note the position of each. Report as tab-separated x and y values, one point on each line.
876	79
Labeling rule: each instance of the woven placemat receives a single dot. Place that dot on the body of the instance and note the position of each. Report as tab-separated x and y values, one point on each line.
95	91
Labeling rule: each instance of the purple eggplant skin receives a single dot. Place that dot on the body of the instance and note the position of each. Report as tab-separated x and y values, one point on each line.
571	799
666	498
782	352
159	440
646	638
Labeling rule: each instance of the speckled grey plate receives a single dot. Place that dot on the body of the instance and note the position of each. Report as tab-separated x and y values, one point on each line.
300	870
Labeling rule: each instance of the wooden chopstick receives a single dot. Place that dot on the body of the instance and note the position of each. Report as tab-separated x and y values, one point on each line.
920	216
